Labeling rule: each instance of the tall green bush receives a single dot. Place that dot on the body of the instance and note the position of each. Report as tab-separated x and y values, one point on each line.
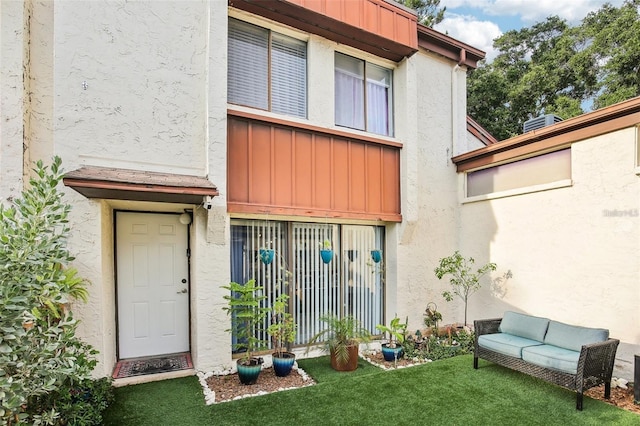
39	351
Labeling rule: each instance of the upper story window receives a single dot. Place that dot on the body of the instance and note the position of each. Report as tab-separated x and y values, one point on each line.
364	95
267	70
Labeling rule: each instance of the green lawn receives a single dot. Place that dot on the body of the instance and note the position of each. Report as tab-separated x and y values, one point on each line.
446	392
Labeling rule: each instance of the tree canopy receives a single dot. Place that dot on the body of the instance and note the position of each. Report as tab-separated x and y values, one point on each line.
429	11
555	68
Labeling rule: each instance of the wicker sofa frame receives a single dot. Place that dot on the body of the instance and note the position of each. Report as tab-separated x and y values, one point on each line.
595	365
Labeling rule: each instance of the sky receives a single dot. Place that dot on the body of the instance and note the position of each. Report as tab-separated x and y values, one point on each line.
479	22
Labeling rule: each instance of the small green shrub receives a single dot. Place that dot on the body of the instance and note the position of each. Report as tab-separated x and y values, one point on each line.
80	404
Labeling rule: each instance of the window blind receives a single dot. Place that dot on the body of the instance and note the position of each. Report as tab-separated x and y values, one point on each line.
288	76
248	69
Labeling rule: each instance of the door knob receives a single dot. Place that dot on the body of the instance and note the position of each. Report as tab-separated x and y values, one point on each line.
183	291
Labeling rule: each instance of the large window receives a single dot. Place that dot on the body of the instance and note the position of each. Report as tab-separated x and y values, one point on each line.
363	95
351	284
267	70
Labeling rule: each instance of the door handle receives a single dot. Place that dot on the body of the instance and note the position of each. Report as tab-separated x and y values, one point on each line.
183	291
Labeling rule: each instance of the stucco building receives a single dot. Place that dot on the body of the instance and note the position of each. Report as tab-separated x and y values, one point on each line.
195	133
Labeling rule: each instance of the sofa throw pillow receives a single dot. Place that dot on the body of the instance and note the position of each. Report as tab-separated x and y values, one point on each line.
524	325
573	337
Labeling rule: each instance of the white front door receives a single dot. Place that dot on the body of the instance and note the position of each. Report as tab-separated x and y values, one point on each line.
153	288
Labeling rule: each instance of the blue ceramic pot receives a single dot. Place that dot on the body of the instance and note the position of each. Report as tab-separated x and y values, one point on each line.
392	354
376	255
266	255
248	373
282	365
326	255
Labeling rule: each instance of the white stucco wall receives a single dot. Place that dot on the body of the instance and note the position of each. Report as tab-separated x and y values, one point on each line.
13	52
571	260
145	68
429	185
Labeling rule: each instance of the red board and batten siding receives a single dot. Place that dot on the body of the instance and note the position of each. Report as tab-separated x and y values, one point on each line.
290	170
379	27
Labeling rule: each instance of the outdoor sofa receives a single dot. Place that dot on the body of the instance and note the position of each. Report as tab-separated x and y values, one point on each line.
574	357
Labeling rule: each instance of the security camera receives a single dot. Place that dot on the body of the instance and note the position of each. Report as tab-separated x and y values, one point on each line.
207	203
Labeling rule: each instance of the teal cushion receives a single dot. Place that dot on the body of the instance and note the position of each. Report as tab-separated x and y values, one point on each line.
573	337
522	325
506	344
552	357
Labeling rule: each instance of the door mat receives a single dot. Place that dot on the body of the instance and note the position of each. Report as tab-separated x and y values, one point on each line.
153	365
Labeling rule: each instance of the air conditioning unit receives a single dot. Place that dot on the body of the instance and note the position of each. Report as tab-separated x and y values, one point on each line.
540	122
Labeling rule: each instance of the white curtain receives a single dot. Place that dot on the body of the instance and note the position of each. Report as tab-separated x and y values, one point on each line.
349	100
377	108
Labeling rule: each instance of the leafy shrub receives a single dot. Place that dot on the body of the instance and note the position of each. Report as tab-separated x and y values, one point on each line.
39	351
80	404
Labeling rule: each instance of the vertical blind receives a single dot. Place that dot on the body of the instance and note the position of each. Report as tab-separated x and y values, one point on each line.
351	284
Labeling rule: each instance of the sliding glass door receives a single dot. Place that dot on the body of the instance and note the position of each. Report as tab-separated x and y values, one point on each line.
350	284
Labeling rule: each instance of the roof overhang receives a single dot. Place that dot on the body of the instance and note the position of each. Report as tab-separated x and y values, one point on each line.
295	14
138	185
449	47
606	120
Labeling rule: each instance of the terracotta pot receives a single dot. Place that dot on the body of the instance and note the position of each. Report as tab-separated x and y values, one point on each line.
352	362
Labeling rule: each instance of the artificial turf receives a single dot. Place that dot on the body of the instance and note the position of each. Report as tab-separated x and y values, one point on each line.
446	392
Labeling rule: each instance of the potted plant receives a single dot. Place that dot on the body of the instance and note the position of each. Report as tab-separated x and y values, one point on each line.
266	255
376	256
266	252
396	330
326	253
464	280
283	332
244	306
342	336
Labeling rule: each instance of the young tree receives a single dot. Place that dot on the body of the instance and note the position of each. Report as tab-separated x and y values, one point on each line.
463	278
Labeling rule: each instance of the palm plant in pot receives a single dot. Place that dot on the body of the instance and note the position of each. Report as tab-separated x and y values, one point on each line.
342	336
283	333
244	305
392	351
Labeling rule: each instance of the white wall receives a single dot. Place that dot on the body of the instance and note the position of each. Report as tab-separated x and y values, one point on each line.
429	186
570	261
144	64
13	40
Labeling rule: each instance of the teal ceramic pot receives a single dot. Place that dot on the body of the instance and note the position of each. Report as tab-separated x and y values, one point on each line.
326	255
391	354
282	365
248	373
266	255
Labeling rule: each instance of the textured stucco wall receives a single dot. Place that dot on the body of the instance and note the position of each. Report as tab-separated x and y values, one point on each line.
571	260
429	185
145	68
13	51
